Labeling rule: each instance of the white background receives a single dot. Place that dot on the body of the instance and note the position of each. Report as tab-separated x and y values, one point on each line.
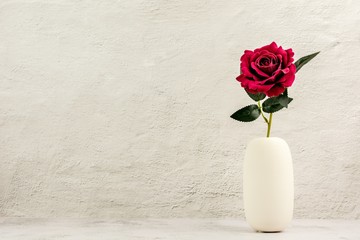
121	108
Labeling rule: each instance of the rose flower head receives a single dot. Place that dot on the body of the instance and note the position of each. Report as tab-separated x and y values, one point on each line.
269	70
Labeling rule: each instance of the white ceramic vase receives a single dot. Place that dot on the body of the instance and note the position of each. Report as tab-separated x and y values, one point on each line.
268	184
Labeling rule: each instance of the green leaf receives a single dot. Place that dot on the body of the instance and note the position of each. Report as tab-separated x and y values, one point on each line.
256	97
247	114
285	92
304	60
275	104
284	100
271	105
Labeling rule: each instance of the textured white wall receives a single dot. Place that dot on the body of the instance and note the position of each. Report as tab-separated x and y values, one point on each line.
121	108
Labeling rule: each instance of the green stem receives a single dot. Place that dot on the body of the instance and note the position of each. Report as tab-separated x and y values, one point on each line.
269	126
262	113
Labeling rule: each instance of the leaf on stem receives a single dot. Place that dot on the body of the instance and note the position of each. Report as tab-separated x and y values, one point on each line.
285	92
284	100
274	104
247	114
256	97
271	105
304	60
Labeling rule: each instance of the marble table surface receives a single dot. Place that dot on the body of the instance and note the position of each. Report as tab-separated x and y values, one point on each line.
163	229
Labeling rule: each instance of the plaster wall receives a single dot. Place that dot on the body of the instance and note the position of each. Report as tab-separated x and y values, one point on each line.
121	108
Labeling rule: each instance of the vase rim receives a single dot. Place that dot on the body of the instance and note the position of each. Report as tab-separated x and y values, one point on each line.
267	139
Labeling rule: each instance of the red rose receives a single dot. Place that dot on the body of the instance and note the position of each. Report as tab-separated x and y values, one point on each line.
268	70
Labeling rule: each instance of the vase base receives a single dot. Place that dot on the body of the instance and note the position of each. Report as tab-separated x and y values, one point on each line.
268	231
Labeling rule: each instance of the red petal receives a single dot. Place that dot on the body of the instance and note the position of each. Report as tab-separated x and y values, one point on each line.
258	71
259	87
288	80
272	47
245	62
290	55
275	91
